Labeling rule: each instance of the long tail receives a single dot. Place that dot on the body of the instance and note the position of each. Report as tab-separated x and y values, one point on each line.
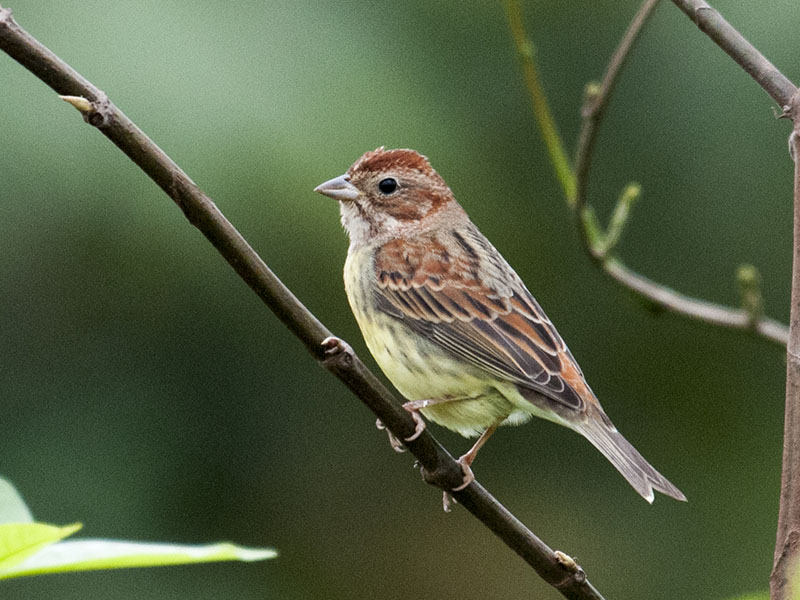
639	473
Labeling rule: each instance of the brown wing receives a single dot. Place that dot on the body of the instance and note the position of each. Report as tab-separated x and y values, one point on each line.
459	293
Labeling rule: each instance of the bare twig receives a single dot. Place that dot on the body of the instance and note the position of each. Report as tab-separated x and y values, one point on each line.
596	101
707	312
739	49
555	568
787	544
597	242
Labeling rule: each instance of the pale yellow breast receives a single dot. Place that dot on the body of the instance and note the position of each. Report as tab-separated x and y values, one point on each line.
416	367
419	369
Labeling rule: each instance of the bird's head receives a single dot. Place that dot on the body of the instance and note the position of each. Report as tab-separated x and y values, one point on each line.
390	194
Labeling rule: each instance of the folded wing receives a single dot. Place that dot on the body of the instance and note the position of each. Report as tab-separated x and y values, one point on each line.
459	298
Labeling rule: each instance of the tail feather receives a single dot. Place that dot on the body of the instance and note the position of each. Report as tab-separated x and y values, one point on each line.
639	473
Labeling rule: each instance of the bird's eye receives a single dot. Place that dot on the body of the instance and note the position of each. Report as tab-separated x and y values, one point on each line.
387	186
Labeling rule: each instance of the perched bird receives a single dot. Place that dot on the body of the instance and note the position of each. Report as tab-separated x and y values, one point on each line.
451	324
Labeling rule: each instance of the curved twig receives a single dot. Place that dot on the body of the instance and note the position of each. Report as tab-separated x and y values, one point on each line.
593	112
599	243
596	101
555	568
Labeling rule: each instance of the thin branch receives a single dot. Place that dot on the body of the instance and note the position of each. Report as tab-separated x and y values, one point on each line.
599	243
541	109
597	99
439	467
739	49
787	543
707	312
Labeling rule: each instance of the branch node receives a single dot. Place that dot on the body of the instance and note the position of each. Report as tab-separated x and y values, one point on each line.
336	352
526	49
97	113
749	280
592	93
573	568
6	15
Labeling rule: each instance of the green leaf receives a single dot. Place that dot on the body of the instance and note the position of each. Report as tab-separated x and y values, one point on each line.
762	596
18	541
29	548
12	507
86	555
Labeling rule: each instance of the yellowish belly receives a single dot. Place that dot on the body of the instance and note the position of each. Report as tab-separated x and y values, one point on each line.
420	370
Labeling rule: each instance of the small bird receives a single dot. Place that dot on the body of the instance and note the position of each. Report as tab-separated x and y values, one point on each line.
451	324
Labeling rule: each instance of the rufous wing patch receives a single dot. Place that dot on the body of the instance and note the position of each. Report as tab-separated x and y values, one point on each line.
437	290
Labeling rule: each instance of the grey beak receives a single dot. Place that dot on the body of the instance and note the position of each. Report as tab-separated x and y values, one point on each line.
338	188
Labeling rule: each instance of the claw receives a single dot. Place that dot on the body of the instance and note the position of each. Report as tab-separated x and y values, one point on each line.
469	476
396	444
419	427
420	424
447	498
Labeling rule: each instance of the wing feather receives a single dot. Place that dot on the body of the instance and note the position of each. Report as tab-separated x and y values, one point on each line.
445	294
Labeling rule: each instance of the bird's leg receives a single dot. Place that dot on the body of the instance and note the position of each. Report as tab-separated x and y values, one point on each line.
465	461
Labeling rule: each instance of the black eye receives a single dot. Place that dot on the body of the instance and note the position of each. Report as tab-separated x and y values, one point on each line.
387	186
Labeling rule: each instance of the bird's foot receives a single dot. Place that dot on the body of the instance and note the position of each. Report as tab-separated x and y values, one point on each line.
419	423
394	441
419	427
465	462
447	498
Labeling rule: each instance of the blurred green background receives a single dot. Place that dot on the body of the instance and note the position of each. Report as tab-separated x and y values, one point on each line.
148	393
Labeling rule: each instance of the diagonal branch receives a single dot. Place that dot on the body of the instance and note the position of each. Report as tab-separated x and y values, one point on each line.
599	243
739	49
555	568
